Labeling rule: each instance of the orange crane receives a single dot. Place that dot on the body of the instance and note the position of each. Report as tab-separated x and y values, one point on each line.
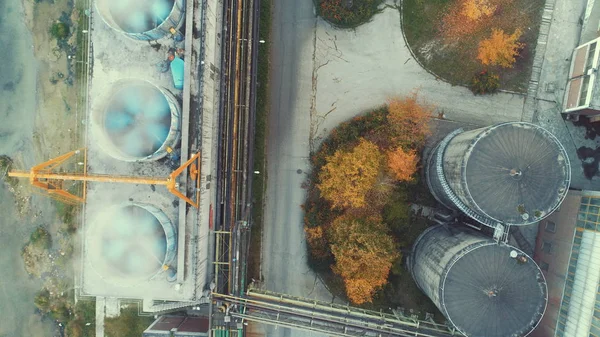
44	177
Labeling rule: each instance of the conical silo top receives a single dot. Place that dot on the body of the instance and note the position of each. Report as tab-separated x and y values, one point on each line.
489	293
516	173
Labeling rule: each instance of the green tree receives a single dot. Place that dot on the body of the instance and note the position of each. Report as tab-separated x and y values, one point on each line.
59	30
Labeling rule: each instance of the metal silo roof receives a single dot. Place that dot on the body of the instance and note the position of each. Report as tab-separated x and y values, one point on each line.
516	173
488	293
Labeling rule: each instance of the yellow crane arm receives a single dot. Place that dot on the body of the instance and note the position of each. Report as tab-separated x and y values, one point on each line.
41	176
89	177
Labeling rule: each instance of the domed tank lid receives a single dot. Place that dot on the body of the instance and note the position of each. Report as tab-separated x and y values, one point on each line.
135	16
489	293
128	244
137	119
517	173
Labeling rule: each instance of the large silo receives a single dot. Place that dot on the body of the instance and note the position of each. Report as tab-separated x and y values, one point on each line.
130	244
511	173
483	288
139	122
143	19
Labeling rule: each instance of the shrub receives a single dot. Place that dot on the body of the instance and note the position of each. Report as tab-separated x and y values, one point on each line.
485	83
41	238
59	30
347	13
42	300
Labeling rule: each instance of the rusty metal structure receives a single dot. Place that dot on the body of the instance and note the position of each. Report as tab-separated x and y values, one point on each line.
46	177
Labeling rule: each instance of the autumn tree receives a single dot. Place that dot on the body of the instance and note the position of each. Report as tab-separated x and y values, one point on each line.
317	241
408	121
477	9
402	164
364	253
500	48
348	175
463	17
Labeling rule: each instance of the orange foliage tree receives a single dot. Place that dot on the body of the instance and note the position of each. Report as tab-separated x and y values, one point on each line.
348	175
317	241
477	9
408	121
466	16
500	48
403	164
364	253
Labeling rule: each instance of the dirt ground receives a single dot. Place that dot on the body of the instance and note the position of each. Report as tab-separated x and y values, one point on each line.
56	126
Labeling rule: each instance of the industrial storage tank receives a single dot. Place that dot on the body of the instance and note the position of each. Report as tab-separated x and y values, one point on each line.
140	122
130	244
485	289
511	173
143	19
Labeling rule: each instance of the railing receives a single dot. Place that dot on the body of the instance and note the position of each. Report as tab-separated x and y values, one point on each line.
329	318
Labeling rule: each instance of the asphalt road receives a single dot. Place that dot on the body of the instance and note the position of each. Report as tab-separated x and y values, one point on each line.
284	265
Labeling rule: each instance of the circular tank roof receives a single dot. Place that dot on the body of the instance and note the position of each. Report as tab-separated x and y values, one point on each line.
137	16
488	293
517	173
137	119
128	244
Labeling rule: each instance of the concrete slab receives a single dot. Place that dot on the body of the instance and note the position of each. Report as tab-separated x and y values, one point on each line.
357	70
99	322
564	36
116	57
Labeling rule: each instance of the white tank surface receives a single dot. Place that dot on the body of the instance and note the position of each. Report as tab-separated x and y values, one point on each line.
511	173
140	122
130	244
143	19
483	288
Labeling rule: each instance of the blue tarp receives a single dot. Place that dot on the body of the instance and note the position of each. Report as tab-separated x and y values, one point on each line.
177	72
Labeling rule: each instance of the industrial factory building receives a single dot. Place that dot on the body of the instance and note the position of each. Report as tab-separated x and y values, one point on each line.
483	288
568	251
509	174
140	241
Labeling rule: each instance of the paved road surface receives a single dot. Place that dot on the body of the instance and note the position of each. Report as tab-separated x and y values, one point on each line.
284	253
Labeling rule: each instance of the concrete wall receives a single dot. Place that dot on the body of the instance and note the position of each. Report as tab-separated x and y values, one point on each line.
557	259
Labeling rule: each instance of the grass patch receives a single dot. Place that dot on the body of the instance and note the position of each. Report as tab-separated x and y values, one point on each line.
84	313
128	324
347	13
456	60
260	139
41	238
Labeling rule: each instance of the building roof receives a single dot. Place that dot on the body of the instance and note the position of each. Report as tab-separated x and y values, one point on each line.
579	314
488	293
582	86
